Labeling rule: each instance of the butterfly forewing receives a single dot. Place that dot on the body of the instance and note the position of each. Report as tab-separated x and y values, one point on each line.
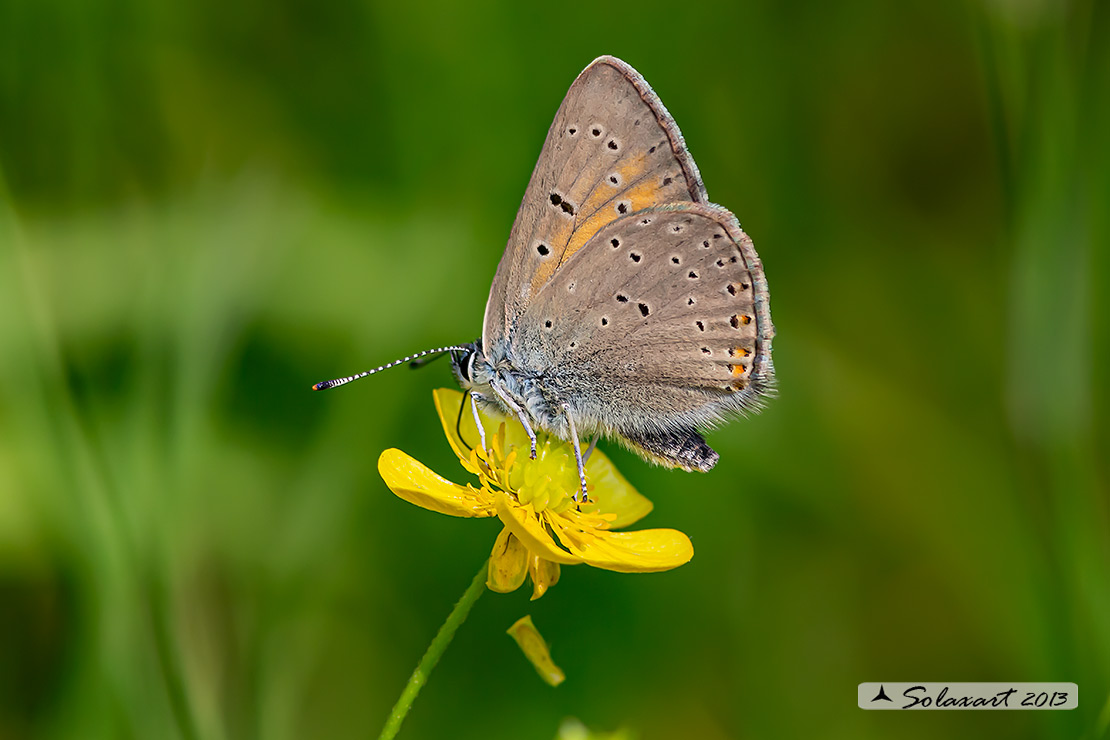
612	150
669	305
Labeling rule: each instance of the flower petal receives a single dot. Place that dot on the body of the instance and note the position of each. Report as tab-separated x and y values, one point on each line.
614	494
414	482
448	405
535	649
524	524
508	564
644	551
454	416
545	574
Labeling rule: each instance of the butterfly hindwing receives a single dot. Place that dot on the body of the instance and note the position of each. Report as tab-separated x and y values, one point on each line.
659	323
612	149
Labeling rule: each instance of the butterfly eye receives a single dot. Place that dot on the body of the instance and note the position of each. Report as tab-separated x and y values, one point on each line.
464	364
463	370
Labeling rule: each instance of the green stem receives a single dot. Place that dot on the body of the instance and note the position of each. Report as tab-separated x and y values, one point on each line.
435	650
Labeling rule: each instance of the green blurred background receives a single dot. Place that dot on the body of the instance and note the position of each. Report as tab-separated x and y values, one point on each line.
205	207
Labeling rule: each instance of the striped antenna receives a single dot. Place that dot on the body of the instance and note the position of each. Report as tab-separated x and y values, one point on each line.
343	381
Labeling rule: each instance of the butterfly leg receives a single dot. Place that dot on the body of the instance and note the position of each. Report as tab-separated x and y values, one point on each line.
512	406
478	420
577	453
590	449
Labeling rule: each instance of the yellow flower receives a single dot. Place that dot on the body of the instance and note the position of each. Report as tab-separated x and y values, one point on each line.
544	528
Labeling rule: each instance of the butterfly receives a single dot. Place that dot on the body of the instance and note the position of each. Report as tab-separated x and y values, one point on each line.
626	305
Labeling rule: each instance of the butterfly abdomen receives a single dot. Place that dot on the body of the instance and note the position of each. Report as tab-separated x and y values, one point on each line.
684	449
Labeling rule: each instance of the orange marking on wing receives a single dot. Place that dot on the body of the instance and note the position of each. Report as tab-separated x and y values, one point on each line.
547	269
738	373
586	231
639	197
634	167
607	189
643	195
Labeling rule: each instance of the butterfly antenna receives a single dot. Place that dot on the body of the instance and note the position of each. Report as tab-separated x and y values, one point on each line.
343	381
422	361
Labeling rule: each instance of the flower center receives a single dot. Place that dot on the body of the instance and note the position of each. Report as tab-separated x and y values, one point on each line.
549	481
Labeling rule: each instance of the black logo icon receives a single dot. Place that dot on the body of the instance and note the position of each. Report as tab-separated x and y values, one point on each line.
882	695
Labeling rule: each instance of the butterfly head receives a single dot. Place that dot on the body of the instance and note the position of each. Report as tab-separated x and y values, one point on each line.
467	364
